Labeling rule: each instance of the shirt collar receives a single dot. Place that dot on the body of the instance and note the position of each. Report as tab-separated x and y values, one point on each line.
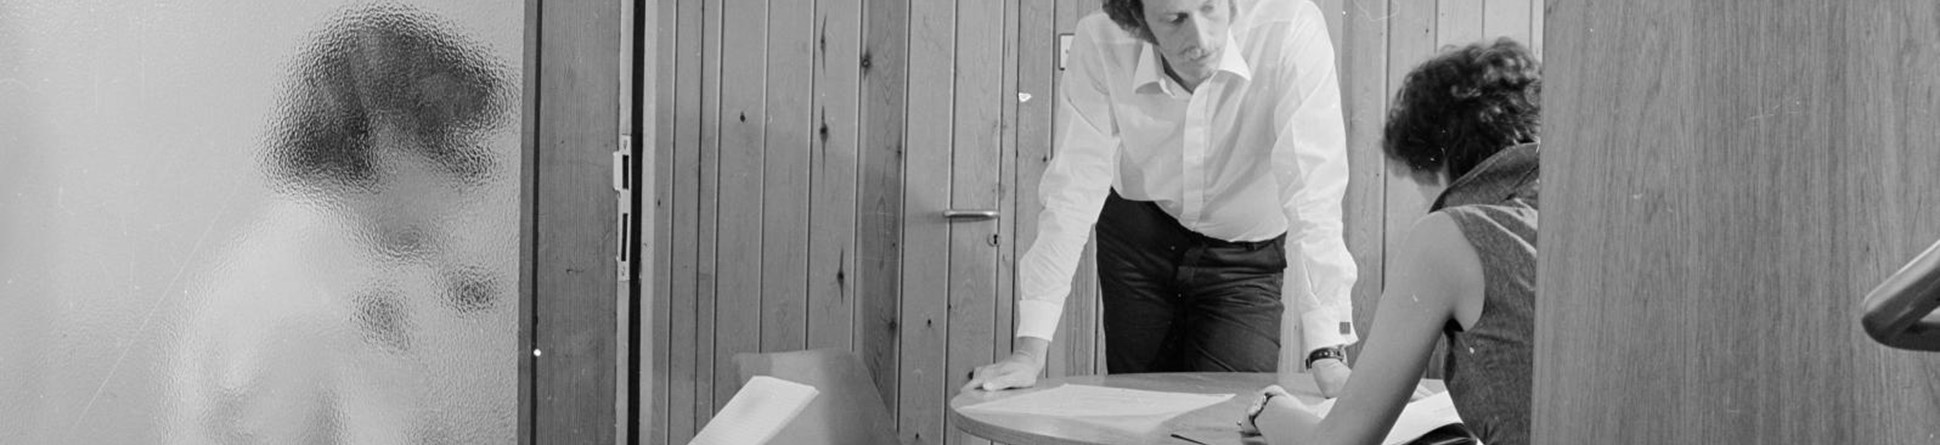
1511	174
1150	72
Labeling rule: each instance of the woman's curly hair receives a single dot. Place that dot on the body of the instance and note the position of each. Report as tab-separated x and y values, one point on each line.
1456	110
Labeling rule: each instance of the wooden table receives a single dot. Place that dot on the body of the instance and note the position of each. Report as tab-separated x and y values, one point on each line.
1217	424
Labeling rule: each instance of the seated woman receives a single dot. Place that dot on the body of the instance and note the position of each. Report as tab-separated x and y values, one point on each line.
1467	270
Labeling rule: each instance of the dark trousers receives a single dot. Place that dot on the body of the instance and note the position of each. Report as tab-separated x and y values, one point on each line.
1179	301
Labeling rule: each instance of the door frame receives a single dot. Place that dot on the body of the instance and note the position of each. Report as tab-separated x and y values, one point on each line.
578	354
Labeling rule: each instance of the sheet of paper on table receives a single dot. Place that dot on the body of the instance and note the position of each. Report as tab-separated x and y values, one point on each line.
1417	419
1098	401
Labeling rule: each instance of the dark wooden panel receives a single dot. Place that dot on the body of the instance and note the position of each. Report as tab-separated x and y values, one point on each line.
926	272
784	177
580	68
1715	216
880	219
528	218
833	163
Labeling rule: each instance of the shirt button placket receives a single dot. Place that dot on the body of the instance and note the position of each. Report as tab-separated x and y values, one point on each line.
1194	157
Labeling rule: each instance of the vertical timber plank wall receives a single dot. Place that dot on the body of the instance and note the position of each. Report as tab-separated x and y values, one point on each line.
1715	216
974	154
926	235
663	95
885	64
784	177
744	115
865	118
833	165
581	68
1363	54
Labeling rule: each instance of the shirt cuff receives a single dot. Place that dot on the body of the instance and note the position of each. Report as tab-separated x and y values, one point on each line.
1324	328
1038	318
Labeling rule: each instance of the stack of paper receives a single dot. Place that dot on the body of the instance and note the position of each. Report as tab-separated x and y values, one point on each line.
1098	401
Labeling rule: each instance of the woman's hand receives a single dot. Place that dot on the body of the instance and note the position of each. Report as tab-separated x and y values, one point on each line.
1247	425
1279	417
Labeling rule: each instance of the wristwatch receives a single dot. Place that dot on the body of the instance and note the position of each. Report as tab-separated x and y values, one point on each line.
1333	352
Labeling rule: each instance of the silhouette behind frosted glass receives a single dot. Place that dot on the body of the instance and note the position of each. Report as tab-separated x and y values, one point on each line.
368	303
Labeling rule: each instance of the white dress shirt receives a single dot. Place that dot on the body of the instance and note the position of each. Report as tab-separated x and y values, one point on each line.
1257	150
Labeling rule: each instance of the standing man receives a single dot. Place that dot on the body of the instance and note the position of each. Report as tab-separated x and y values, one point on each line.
1204	139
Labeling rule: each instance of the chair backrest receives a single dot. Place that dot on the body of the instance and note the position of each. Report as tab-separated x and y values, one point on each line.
849	410
758	412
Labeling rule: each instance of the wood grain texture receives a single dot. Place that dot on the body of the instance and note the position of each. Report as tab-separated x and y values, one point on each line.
575	381
663	205
672	253
975	160
1364	90
654	145
528	217
1723	210
1891	103
683	249
926	235
1004	330
1036	70
744	118
833	183
1458	22
1536	25
784	176
1084	349
880	220
709	274
1508	18
1412	34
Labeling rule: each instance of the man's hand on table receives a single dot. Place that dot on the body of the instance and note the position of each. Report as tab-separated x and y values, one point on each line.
1020	370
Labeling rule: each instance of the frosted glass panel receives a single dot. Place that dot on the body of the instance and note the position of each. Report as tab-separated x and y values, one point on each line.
288	221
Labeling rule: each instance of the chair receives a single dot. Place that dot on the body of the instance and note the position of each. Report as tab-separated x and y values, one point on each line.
757	413
848	411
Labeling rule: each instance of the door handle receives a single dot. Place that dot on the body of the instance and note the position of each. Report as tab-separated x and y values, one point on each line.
970	215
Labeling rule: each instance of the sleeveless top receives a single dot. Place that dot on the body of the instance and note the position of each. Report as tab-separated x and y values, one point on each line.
1489	364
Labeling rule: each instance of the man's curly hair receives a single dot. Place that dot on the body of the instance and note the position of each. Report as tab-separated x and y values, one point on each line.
1456	110
1130	15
